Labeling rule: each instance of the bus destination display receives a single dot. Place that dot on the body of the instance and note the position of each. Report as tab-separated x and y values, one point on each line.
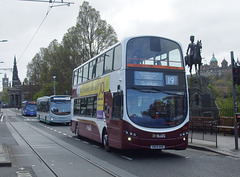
154	79
148	78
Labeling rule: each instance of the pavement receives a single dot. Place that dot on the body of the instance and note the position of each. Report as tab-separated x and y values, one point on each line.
225	146
5	160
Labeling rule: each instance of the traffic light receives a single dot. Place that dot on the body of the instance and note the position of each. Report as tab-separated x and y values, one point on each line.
236	75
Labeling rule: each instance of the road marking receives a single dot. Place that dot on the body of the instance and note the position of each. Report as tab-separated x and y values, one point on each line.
95	146
85	142
125	157
30	120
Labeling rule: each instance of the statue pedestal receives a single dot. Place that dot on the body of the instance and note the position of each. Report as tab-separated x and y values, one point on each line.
201	100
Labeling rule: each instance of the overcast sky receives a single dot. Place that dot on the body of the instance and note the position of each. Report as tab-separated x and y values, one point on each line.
215	22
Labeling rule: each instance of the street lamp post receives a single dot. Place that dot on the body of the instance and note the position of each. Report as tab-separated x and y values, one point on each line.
54	77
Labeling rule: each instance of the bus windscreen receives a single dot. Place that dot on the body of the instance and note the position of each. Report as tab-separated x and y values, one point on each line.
153	51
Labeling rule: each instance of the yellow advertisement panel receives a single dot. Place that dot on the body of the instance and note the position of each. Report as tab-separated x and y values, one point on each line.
98	87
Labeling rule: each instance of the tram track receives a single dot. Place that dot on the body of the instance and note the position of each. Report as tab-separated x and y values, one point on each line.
35	152
46	163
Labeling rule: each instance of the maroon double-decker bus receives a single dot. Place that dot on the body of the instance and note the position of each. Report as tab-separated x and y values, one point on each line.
133	95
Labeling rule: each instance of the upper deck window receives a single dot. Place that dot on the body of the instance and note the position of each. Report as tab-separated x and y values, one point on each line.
153	51
108	61
117	57
100	62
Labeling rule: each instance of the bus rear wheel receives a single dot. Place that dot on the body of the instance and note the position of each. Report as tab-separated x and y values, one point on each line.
76	130
105	141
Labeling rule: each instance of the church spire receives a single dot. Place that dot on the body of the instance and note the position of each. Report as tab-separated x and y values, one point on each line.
15	79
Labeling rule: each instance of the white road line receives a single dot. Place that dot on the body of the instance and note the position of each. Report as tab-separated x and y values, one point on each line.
85	142
95	146
128	158
2	118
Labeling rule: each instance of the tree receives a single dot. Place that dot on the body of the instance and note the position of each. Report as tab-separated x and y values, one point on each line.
88	38
4	96
34	70
94	33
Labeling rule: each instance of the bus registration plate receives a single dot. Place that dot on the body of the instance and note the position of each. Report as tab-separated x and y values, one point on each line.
157	147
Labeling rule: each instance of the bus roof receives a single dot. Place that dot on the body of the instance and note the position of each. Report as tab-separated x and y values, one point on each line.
26	101
97	55
52	96
123	41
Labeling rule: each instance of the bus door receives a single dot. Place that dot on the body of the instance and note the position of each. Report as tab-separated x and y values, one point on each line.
113	114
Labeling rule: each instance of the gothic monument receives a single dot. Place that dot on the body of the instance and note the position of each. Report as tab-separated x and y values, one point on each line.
15	91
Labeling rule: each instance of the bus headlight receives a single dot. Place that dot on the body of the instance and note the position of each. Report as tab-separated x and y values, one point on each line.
129	139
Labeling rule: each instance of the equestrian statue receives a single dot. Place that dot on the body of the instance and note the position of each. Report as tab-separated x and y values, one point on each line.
194	55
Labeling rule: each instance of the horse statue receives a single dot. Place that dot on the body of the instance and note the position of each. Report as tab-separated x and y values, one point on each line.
195	56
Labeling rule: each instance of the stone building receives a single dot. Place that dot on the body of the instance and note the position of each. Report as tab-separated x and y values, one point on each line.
213	69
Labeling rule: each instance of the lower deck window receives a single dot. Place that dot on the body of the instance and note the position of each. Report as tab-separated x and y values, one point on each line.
86	106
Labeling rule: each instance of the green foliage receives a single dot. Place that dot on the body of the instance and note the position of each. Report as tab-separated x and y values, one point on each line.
4	96
221	88
214	91
88	38
46	91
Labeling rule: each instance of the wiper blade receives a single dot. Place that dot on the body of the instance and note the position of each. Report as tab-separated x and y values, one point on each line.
142	90
168	92
154	89
174	93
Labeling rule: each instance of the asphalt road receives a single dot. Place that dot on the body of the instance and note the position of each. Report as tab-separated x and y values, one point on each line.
52	150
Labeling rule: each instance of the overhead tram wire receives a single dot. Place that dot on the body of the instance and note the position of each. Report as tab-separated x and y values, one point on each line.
48	11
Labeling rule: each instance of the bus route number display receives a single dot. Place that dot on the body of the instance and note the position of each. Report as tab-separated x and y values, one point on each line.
171	80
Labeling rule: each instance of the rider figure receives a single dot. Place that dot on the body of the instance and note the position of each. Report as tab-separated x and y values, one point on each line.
191	46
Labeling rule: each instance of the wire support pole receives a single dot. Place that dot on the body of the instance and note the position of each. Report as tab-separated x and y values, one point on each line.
234	102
